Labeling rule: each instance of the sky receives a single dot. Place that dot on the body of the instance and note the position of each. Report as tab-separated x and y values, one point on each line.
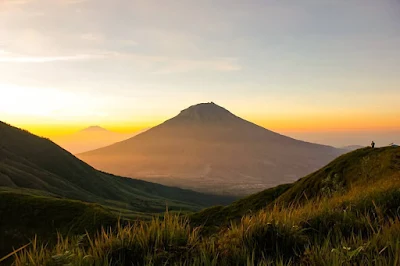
320	70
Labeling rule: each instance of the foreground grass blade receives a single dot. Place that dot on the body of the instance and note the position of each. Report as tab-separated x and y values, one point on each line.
14	252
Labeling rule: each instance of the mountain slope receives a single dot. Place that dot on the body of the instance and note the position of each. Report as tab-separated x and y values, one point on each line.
363	167
207	148
27	161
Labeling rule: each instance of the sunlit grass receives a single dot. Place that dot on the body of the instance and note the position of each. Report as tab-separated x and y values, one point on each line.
355	228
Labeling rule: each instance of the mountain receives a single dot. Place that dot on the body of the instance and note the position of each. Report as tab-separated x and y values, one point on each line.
94	129
372	167
207	148
90	138
30	162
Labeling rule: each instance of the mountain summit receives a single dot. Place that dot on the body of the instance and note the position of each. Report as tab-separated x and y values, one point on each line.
207	148
205	112
94	129
90	138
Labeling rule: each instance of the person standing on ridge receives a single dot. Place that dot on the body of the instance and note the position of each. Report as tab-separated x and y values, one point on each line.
373	144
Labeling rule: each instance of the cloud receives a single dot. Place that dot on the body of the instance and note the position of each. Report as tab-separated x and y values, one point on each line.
186	65
92	37
15	2
23	2
9	58
158	64
69	2
101	39
153	63
101	32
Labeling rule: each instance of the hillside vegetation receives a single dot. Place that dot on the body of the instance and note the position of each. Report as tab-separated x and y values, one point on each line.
31	162
212	218
25	214
362	167
346	217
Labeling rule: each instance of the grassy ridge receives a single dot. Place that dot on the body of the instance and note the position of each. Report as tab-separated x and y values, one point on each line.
212	218
363	166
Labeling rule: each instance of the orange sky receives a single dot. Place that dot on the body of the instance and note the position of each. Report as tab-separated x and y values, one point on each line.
282	123
130	65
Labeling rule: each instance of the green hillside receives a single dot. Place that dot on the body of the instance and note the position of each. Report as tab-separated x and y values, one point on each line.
347	213
24	214
222	215
28	161
360	167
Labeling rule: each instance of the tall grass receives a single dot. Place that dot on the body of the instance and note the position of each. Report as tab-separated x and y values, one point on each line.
268	238
141	243
357	227
244	244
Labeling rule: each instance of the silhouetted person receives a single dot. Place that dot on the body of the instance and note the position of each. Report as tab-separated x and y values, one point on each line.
373	144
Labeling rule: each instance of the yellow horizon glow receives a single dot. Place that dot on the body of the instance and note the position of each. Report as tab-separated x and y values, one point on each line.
52	113
49	112
64	130
315	123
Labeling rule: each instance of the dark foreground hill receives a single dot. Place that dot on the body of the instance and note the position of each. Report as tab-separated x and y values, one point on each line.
363	167
24	215
27	161
207	148
347	213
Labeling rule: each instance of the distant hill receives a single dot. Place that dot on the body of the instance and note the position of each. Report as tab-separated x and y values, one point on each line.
90	138
207	148
357	168
352	147
30	162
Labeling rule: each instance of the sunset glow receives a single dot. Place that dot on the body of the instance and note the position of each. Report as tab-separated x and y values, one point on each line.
130	65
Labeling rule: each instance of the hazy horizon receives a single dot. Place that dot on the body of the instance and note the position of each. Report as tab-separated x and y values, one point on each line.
333	138
69	138
320	71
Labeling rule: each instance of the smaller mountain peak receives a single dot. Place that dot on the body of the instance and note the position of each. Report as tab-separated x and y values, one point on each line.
94	129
